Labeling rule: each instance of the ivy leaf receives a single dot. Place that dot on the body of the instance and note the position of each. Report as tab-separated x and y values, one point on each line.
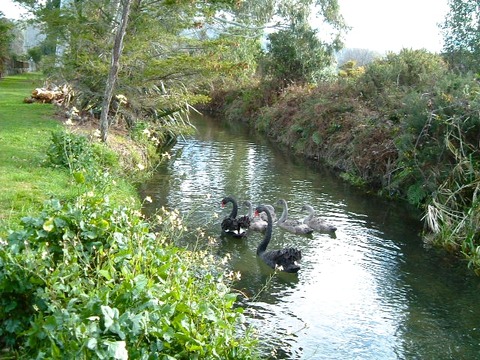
59	223
140	281
207	312
102	224
168	334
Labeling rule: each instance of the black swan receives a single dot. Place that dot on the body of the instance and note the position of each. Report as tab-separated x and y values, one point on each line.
316	222
231	224
291	225
257	223
284	259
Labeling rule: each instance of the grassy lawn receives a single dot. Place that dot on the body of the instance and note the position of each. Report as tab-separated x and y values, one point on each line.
25	131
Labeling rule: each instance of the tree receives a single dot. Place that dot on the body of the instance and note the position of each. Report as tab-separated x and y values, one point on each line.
297	52
461	33
297	56
114	67
6	38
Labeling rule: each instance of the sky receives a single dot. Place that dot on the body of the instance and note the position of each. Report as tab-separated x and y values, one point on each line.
378	25
390	25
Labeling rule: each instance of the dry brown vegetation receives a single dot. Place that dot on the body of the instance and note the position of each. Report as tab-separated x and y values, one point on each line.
331	124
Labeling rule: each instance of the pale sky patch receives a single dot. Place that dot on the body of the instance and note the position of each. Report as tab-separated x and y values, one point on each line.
387	25
379	25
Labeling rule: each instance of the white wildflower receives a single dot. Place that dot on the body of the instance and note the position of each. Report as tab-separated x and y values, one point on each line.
121	98
167	155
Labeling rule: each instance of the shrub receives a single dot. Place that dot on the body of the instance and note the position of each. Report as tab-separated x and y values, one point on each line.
408	69
87	280
71	151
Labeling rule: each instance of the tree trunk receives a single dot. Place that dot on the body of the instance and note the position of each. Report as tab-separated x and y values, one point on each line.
113	74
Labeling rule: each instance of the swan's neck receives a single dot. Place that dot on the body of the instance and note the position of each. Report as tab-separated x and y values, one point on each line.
310	215
234	212
284	215
250	211
262	247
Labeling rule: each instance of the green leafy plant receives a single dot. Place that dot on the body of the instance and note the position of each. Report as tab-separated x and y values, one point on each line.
71	151
88	280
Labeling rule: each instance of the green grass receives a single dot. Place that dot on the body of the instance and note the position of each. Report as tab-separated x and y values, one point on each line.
26	180
24	137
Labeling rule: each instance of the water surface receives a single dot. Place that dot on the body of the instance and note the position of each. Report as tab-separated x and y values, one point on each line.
371	290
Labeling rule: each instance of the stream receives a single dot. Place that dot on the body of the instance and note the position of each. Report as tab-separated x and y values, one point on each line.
371	290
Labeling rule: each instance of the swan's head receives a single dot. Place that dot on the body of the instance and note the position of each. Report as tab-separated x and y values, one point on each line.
261	208
281	202
226	200
307	208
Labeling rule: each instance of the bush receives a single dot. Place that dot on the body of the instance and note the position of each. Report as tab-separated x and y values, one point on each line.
88	280
70	151
408	69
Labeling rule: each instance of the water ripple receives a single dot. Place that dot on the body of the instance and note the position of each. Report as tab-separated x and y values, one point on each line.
368	291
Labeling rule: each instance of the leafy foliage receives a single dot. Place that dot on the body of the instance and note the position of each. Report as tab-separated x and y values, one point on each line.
407	69
6	38
85	279
461	35
70	151
297	55
350	70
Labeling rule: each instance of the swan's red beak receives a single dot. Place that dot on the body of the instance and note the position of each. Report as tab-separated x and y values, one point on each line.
256	213
223	204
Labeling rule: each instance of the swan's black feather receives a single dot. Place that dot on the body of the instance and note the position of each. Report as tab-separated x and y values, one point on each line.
283	259
232	225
